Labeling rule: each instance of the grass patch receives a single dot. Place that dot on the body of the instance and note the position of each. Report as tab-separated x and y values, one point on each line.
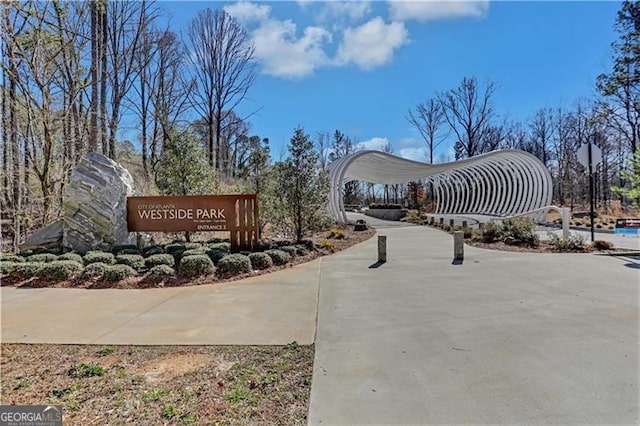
162	384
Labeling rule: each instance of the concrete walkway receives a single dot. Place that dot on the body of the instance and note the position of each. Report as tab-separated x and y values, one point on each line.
504	338
273	309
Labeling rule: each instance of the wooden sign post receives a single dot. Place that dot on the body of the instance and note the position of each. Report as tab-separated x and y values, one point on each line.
234	213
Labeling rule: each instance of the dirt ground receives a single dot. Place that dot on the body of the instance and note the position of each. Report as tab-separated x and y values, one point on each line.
98	385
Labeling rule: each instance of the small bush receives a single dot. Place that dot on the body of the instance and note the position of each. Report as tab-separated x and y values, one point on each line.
260	260
468	232
11	258
598	226
98	256
192	246
118	272
151	250
521	229
308	244
128	251
97	269
265	245
7	268
174	248
216	254
125	249
159	259
197	265
291	250
44	257
220	246
301	250
601	245
491	233
161	271
575	242
27	269
134	260
60	270
71	256
234	264
278	257
336	233
192	252
326	244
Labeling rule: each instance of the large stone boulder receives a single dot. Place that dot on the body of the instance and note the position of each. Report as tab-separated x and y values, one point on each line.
95	205
49	237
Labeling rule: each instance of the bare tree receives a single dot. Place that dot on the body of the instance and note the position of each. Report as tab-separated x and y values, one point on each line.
428	119
468	110
222	57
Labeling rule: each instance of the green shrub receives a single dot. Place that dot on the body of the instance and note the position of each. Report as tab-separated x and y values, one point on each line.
601	245
151	250
260	260
265	245
278	257
97	269
44	257
161	271
159	259
60	270
192	246
71	256
234	264
291	250
216	254
98	256
308	244
192	252
197	265
301	250
119	272
12	258
174	248
220	246
27	269
575	242
134	260
7	268
87	370
125	249
128	251
492	232
521	229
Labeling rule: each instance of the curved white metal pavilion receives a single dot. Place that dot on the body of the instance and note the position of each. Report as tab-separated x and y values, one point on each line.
499	183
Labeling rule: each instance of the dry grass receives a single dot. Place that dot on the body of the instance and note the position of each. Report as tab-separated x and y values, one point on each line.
161	384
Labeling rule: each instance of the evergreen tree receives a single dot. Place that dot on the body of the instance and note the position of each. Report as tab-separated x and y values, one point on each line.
632	192
302	185
182	167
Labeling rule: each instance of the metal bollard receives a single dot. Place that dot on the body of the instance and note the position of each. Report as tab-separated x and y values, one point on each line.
382	248
458	245
464	224
451	223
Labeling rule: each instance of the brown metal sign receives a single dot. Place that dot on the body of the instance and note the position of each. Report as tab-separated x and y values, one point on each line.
235	213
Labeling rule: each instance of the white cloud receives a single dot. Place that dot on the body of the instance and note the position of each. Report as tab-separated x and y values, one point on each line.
416	154
345	10
371	44
278	47
283	54
405	10
247	12
377	144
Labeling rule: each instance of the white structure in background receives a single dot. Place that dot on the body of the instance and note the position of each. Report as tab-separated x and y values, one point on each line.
500	183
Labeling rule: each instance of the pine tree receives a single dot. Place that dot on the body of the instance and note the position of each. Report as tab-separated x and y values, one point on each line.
303	185
632	192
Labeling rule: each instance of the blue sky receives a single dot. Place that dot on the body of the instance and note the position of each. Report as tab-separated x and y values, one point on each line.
360	66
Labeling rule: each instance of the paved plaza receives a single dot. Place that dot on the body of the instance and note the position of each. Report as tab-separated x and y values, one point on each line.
503	338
